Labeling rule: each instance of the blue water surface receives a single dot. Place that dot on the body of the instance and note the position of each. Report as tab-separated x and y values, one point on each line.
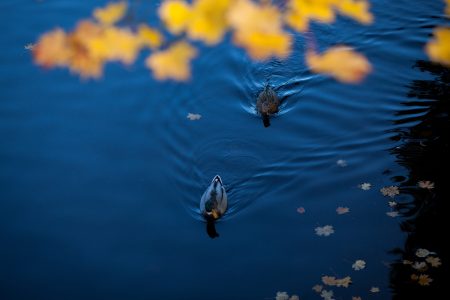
100	181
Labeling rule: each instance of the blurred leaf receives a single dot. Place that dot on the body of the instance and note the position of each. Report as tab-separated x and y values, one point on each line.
176	15
438	49
172	63
149	37
111	14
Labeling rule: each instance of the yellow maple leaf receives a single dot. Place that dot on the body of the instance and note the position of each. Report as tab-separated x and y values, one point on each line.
438	49
262	39
208	20
300	12
356	9
111	14
341	62
176	14
52	49
172	63
149	37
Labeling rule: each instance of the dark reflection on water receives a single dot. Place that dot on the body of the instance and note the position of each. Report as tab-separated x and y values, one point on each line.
425	152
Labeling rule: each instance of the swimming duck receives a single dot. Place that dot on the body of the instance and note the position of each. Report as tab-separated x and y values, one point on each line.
267	104
214	200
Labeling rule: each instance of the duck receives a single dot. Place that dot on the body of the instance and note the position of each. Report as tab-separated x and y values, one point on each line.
213	203
267	104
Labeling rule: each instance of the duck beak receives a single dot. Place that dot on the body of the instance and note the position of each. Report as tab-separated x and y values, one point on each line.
215	214
217	179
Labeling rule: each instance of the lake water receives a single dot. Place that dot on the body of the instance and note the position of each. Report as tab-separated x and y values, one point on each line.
100	181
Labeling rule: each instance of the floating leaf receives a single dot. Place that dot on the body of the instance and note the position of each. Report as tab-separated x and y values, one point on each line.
282	296
172	63
301	12
420	266
111	14
407	262
392	203
342	210
333	281
423	252
340	62
365	186
359	265
424	279
374	289
325	230
301	210
149	37
356	9
317	288
392	214
193	117
390	191
341	163
426	184
176	15
53	49
438	49
433	261
261	39
327	295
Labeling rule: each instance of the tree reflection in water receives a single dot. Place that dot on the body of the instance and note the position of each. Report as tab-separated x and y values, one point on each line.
424	152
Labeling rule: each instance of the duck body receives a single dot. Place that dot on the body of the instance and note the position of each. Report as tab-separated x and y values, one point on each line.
267	104
214	202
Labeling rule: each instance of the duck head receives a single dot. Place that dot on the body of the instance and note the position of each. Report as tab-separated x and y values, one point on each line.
214	200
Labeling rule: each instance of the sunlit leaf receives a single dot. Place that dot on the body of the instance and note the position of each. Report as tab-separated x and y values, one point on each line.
176	14
438	49
327	295
317	288
172	63
53	49
435	262
359	265
149	37
252	30
111	14
356	9
421	252
333	281
340	62
209	20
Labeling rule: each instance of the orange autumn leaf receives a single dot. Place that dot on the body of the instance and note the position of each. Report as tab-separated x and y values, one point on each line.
438	49
341	62
172	63
111	14
261	39
300	12
176	15
209	22
149	37
52	49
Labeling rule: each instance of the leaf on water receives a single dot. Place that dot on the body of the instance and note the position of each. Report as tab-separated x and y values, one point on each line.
149	37
333	281
392	214
111	14
359	265
317	288
390	191
176	15
327	295
420	266
392	203
53	49
374	289
425	184
208	20
324	231
301	210
407	262
29	46
365	186
261	39
414	277
435	262
342	210
424	279
341	163
423	252
438	49
172	63
285	296
340	62
301	12
193	117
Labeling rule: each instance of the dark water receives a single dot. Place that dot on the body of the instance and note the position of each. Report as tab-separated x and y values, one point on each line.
100	181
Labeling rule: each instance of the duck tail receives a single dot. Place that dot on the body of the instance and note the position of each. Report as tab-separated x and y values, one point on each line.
266	120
